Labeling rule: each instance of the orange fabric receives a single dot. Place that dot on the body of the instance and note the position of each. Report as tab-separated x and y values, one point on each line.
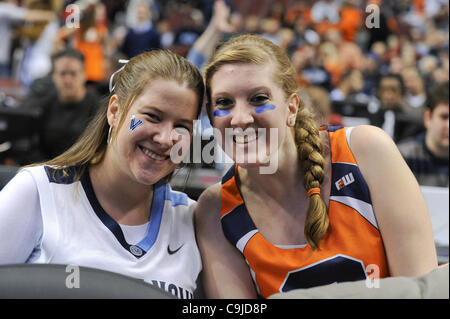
93	54
350	23
339	153
350	236
291	15
419	6
312	191
334	67
231	198
342	239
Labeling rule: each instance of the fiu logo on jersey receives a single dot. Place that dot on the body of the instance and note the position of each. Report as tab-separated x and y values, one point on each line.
344	181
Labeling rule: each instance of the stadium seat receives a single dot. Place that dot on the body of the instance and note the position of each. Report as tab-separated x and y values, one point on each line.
51	281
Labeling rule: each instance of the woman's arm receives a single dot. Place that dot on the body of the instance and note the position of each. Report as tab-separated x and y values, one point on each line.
398	203
205	45
20	219
225	273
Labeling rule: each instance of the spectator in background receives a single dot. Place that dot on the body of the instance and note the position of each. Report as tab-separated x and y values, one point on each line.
131	9
143	36
426	65
415	88
10	15
350	20
309	67
395	116
112	64
371	74
304	34
37	42
440	75
218	27
382	33
317	100
66	109
189	31
351	84
252	24
427	153
325	10
91	39
270	28
339	55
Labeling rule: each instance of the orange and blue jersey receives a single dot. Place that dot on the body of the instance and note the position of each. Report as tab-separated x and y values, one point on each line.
352	249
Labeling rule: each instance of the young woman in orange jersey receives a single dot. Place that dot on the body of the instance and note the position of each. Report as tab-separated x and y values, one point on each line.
340	206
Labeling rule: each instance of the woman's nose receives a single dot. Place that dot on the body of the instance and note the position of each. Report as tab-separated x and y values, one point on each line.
166	135
241	116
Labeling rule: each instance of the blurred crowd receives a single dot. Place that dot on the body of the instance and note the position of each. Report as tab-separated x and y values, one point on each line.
358	61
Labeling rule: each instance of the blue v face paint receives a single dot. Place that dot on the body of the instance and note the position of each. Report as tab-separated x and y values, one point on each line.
221	113
264	108
134	124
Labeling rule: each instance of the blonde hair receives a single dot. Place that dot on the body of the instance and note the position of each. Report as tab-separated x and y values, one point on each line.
257	50
90	148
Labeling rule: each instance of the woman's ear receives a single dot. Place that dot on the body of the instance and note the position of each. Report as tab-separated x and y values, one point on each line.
293	104
113	110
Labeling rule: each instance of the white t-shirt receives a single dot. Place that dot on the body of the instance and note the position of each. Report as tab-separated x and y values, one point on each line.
46	218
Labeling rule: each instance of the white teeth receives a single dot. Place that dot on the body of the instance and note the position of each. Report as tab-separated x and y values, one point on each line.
242	139
153	155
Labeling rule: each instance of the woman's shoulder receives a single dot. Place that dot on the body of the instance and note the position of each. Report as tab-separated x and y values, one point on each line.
375	152
366	140
209	200
21	185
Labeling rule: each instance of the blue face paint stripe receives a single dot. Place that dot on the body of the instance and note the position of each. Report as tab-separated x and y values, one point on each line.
220	113
264	108
134	124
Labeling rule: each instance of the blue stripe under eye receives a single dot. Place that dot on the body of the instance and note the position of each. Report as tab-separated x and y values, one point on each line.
220	113
264	108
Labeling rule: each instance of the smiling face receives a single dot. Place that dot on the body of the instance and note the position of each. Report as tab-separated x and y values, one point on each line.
157	119
69	79
246	104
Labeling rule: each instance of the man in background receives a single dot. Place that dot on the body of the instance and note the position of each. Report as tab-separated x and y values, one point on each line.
396	117
66	105
427	153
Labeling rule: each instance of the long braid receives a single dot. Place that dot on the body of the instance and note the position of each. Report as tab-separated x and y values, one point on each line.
312	164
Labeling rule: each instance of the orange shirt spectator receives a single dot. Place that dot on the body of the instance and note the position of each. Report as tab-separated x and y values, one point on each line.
350	22
91	45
